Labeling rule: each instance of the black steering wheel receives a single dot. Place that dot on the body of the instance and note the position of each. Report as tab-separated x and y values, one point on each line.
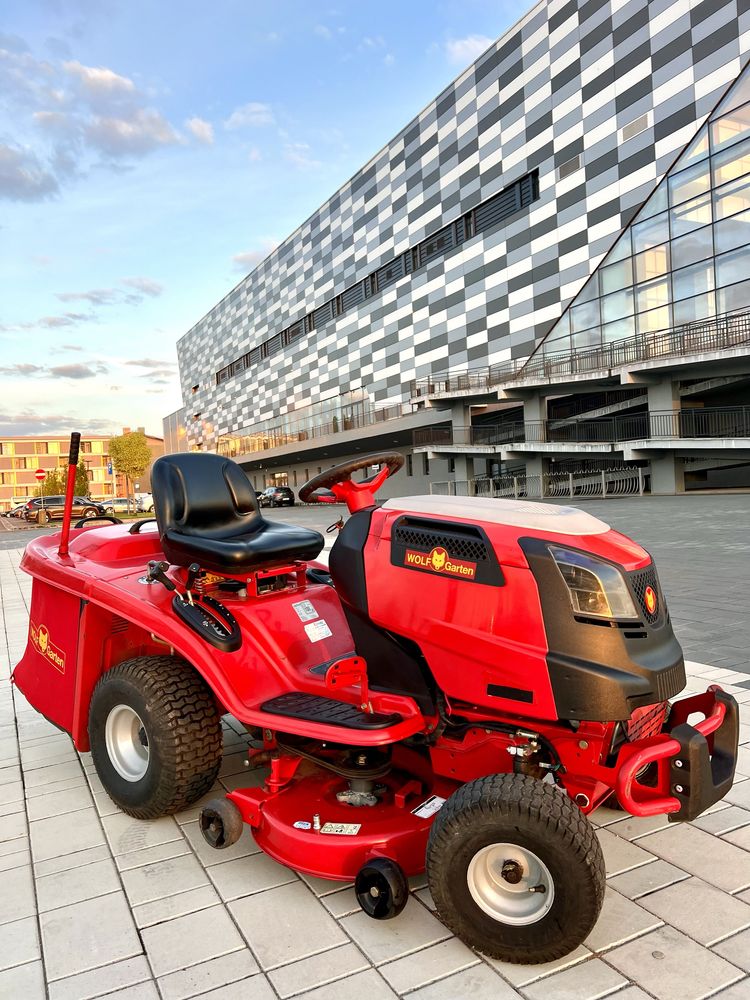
341	476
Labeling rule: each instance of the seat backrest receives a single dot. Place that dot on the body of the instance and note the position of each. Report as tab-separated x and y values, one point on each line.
201	493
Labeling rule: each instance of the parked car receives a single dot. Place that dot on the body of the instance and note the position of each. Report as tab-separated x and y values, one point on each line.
16	511
119	505
54	508
276	496
144	503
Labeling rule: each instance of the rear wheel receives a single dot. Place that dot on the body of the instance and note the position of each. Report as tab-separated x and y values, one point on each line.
515	869
155	735
91	512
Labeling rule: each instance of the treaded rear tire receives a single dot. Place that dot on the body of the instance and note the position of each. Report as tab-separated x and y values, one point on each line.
517	809
183	729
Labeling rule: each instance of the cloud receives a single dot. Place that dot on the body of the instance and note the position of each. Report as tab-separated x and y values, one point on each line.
71	347
246	260
77	371
146	285
250	115
95	82
150	363
22	369
299	154
23	177
323	32
201	130
31	422
142	132
254	154
67	319
160	376
97	296
389	59
462	51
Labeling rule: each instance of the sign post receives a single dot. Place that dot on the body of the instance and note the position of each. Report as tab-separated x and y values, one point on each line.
40	475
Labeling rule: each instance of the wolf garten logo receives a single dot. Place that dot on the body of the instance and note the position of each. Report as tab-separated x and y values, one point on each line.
438	561
42	643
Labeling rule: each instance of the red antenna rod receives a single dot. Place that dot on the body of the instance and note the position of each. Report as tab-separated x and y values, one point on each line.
75	442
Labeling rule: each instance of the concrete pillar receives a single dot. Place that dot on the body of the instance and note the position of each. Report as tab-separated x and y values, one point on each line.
461	422
464	466
667	472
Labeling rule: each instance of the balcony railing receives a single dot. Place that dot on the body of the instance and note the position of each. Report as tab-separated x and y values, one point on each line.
720	333
708	422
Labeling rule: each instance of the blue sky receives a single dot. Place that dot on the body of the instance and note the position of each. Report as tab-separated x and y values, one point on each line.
152	153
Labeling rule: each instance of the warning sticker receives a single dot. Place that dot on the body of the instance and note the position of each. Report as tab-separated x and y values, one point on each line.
317	630
342	829
429	807
305	611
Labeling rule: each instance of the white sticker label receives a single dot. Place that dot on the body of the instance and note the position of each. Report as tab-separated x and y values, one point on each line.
317	630
302	824
305	611
429	807
342	829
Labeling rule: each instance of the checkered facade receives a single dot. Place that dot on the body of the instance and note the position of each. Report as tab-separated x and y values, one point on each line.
599	96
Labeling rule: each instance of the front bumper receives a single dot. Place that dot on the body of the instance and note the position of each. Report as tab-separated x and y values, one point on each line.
694	763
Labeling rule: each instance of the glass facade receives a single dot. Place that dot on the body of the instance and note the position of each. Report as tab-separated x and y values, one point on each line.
686	255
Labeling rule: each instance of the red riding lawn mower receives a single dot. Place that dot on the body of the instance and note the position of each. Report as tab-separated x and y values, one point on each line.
464	683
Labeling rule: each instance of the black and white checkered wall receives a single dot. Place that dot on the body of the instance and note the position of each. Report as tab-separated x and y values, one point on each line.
562	84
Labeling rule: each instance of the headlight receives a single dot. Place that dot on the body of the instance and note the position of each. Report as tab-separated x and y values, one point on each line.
595	587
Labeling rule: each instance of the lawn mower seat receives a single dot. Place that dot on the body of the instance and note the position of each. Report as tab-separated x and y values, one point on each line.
208	513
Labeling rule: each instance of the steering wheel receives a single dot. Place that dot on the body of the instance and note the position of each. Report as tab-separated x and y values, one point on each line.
357	496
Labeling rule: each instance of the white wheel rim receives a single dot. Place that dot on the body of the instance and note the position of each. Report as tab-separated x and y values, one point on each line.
510	884
127	743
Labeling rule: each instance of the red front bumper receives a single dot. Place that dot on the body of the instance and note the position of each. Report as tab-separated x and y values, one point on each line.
694	763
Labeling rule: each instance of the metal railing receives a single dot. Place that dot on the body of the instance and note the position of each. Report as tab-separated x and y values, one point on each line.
698	422
602	483
719	333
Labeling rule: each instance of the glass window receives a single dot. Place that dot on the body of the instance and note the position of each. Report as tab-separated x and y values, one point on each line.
731	128
693	280
655	204
693	247
732	267
621	249
617	276
732	233
739	94
651	233
621	329
652	263
563	325
590	290
584	316
731	163
654	320
689	183
691	310
697	150
653	294
691	215
734	297
589	338
617	305
732	198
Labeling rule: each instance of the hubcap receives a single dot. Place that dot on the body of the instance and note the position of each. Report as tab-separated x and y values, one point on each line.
510	883
127	743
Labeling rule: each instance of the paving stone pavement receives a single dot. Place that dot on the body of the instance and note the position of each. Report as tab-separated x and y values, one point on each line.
96	904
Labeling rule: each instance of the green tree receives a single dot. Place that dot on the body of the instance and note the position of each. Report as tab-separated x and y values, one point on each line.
83	484
52	486
130	456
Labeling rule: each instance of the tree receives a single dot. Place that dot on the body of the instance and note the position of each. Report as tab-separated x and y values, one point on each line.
83	485
130	455
52	486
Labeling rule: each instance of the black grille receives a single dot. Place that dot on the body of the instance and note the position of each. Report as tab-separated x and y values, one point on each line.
647	721
642	579
669	682
457	546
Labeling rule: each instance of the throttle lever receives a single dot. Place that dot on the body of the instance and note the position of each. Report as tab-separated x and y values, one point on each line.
158	571
192	575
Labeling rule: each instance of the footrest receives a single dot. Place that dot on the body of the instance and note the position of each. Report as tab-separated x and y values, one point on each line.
314	708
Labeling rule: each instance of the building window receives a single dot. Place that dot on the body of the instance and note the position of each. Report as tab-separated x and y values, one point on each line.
86	447
195	389
196	416
569	167
426	464
307	475
294	477
41	448
409	466
634	128
452	463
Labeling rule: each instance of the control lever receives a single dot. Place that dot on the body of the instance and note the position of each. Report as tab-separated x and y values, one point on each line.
158	571
193	571
336	526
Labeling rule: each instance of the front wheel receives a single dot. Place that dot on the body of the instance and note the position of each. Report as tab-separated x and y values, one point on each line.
155	735
515	869
91	512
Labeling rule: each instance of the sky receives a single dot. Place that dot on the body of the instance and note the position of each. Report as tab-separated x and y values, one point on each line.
151	154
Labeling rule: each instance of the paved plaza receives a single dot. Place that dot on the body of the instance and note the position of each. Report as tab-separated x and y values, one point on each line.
97	904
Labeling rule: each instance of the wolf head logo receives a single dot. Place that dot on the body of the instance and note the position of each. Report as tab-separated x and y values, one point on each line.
43	638
438	557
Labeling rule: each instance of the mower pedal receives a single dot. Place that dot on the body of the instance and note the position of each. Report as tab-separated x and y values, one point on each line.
314	708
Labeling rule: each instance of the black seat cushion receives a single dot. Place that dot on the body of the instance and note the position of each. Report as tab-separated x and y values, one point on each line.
208	513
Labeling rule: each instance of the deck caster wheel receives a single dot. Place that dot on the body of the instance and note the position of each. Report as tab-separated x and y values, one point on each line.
381	889
515	869
221	823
